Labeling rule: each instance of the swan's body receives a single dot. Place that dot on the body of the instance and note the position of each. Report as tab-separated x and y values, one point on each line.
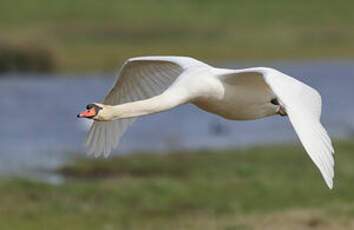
234	99
148	85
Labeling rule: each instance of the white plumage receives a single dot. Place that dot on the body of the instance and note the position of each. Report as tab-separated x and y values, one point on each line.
147	85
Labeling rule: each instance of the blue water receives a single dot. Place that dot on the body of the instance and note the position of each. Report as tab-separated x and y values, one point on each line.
39	128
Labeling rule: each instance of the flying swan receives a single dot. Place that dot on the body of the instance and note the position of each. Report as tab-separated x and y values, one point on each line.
147	85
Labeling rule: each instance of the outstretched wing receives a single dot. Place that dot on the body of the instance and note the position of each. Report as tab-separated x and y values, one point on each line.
303	106
139	78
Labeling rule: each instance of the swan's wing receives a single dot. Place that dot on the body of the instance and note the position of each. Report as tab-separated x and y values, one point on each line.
303	106
139	78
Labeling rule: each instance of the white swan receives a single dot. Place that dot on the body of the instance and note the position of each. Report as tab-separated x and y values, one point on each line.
147	85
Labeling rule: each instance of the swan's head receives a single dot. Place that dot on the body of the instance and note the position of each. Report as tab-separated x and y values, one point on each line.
93	111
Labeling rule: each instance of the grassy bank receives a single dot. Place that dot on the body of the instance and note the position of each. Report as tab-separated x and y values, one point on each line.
100	35
260	188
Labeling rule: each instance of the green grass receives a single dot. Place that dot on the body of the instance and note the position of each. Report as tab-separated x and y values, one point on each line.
88	35
260	188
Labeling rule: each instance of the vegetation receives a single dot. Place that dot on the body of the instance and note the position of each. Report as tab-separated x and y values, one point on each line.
25	58
85	35
259	188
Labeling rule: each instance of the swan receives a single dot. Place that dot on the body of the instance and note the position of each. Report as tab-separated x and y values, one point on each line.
147	85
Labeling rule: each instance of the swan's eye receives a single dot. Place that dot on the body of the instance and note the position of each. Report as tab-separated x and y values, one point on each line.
89	106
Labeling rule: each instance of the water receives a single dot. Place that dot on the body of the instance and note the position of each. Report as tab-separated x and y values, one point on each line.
40	130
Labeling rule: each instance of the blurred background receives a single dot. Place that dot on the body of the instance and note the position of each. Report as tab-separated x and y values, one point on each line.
181	169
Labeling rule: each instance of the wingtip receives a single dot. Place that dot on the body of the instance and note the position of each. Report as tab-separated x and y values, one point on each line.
330	186
330	183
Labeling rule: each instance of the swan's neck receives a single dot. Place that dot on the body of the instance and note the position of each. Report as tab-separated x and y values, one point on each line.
139	108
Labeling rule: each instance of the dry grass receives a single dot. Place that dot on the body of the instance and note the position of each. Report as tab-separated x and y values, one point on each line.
266	188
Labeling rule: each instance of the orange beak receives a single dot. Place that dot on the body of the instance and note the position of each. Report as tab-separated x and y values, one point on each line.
87	113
